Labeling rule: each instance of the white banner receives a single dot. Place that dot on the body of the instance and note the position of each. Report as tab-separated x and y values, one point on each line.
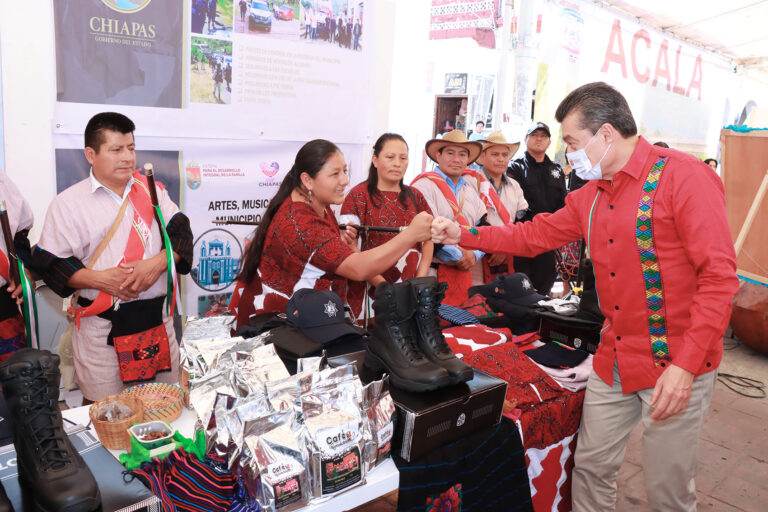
225	182
677	91
223	95
236	80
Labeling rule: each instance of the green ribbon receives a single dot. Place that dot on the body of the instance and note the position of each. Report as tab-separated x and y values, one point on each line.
30	307
169	257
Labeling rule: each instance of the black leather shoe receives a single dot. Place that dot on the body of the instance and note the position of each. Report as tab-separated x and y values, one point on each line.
428	294
49	467
393	342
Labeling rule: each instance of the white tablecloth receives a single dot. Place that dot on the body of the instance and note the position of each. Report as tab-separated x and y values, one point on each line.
382	480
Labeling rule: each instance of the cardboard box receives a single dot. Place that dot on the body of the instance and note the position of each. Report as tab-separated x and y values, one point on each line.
426	421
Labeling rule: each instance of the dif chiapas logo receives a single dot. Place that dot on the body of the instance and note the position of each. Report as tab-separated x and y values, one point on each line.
126	5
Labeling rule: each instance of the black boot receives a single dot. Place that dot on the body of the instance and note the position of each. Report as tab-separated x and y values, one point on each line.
5	503
429	294
49	466
393	343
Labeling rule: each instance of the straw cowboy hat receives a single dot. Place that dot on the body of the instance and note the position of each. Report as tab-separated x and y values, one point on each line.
453	138
498	139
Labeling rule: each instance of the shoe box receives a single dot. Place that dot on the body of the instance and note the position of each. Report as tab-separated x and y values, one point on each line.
426	421
575	333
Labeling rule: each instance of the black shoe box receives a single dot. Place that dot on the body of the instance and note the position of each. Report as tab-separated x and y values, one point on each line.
573	332
429	420
426	421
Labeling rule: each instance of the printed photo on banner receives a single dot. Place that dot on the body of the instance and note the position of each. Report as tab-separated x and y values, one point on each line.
212	305
72	167
334	22
210	71
277	18
212	17
144	36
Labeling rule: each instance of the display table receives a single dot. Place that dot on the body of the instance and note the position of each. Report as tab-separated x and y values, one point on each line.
382	480
547	417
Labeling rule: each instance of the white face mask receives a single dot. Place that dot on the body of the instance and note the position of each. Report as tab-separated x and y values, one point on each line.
582	166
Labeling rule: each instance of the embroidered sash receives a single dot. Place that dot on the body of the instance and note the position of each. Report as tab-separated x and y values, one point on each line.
491	199
654	291
458	280
5	268
137	240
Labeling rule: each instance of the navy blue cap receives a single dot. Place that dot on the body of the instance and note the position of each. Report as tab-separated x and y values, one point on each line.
514	288
319	314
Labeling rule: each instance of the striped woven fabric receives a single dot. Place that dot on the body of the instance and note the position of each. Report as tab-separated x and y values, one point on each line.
183	483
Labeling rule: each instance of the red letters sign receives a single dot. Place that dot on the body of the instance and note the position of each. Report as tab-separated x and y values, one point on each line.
640	54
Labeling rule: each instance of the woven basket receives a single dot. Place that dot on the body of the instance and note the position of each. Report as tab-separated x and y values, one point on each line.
114	434
161	401
185	386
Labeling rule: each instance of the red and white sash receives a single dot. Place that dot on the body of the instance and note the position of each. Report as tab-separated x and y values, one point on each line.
491	198
5	268
458	280
143	216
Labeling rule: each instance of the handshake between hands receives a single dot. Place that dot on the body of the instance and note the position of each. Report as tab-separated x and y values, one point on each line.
439	229
445	231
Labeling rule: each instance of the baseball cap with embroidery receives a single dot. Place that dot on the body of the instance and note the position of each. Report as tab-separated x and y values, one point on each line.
515	288
538	126
319	314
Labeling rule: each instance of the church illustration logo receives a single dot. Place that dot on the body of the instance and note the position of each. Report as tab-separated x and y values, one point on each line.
126	5
217	257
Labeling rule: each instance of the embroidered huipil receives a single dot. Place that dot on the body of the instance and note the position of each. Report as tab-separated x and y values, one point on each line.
663	257
383	210
301	250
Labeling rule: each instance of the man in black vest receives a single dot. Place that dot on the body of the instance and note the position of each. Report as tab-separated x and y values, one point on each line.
543	185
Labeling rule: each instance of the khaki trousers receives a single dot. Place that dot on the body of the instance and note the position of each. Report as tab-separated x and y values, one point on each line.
670	447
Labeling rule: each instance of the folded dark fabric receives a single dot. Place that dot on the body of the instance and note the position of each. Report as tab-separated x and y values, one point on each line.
456	316
519	319
483	471
554	355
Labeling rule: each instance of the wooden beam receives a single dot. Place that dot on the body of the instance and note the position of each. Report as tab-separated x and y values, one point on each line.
756	202
753	276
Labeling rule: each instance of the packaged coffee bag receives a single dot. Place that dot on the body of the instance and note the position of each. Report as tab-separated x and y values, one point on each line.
334	435
379	414
279	458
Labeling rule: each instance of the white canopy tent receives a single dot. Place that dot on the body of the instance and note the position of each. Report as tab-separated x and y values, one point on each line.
734	29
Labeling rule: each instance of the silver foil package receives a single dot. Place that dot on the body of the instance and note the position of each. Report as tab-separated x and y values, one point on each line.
203	392
285	393
311	364
238	418
208	327
276	454
379	413
267	366
334	435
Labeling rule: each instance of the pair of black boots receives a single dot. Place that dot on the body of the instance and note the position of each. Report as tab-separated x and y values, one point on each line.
407	340
51	471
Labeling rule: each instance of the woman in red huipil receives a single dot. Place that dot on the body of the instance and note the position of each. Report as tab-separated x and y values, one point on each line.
384	200
298	244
